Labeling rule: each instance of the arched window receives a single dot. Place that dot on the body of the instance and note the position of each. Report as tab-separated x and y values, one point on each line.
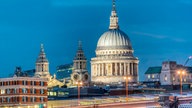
165	78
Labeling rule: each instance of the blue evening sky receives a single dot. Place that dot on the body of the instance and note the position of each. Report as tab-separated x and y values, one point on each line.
159	30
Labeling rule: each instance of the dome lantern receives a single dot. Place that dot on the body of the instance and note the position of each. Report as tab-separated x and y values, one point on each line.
113	18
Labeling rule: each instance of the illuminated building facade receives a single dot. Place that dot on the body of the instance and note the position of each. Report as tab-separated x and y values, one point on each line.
167	74
23	91
114	56
42	70
80	72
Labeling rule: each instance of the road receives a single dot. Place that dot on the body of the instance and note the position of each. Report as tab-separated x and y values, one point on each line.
119	105
136	104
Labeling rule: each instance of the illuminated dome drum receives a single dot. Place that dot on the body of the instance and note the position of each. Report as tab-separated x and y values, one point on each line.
114	56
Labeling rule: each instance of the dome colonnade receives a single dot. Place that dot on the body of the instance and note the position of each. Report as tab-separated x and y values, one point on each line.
114	55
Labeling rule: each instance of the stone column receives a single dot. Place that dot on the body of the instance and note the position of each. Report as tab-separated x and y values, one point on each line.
92	70
125	73
137	70
120	69
128	68
106	70
98	71
115	69
132	69
111	69
102	69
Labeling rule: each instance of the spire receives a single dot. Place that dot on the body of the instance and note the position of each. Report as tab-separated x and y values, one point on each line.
42	64
113	17
80	45
80	53
42	48
113	4
42	55
79	61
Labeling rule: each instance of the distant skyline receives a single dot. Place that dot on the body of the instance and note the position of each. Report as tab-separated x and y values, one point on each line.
159	30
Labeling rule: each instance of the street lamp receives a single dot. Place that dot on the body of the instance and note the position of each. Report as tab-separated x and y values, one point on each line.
79	85
181	73
127	78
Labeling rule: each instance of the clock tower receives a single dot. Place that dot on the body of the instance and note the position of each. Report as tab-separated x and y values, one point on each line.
80	72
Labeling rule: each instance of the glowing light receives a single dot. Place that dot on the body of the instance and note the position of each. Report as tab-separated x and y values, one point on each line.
127	78
183	72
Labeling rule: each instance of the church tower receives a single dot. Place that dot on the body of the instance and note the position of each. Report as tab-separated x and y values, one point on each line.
80	73
114	58
42	65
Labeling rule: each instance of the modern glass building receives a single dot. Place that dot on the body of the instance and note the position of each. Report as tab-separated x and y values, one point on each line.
64	71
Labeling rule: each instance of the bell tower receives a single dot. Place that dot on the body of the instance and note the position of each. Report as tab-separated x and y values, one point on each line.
80	73
42	65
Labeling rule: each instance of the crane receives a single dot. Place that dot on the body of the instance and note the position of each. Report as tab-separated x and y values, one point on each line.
189	58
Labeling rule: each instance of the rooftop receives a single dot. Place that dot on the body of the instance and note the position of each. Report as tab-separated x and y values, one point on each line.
153	70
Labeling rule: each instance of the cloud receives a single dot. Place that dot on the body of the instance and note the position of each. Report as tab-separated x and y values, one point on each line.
157	36
150	35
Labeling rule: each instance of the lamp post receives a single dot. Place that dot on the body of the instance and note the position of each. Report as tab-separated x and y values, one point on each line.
78	86
181	73
127	78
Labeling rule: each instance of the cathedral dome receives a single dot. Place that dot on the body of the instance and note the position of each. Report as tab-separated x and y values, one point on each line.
114	39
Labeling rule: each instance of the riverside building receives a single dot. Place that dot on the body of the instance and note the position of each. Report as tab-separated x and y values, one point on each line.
23	92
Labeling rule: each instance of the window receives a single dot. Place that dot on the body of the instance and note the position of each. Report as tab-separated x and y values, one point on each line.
185	80
2	91
15	90
14	83
23	99
41	99
148	76
8	99
24	82
153	76
157	76
42	91
165	78
173	78
24	90
52	94
31	91
31	99
34	91
42	84
8	91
